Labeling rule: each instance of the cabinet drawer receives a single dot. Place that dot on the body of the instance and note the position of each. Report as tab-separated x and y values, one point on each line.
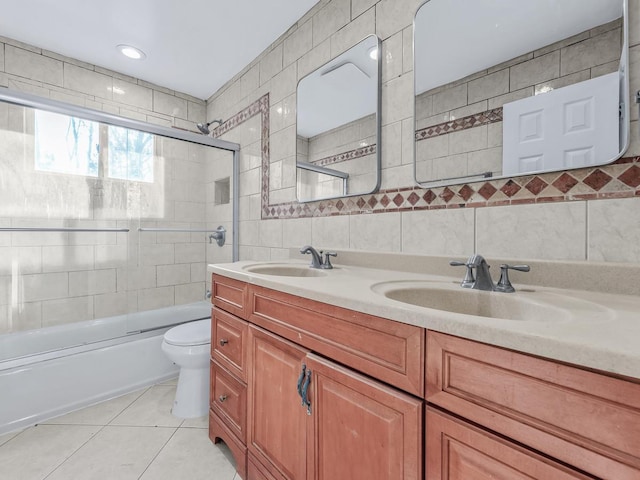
389	351
229	400
229	342
586	419
229	295
456	450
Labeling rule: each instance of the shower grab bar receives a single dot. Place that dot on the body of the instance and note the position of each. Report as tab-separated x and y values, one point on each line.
61	229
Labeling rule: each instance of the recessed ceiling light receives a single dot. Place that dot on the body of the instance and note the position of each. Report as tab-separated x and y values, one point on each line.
131	52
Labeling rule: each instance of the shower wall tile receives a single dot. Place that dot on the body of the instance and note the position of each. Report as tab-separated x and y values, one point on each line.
111	256
86	81
188	293
196	113
173	274
67	310
2	66
46	286
152	298
133	94
110	304
26	64
548	231
199	271
161	254
58	259
189	252
92	282
613	234
20	260
169	104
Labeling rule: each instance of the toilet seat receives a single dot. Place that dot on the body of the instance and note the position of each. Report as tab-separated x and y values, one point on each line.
192	333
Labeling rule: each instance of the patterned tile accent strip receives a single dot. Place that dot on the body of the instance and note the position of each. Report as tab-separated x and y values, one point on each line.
344	156
620	179
470	121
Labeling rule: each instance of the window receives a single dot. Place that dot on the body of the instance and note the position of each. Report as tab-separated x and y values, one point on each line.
71	145
130	154
66	144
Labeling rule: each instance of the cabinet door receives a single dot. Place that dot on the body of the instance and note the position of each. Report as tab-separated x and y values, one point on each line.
362	429
277	422
456	450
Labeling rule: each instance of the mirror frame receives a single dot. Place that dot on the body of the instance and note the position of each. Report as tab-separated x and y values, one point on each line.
378	129
624	111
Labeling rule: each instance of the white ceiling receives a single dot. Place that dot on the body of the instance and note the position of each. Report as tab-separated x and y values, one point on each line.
192	46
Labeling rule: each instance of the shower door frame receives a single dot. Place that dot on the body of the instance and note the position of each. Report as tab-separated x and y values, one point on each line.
33	101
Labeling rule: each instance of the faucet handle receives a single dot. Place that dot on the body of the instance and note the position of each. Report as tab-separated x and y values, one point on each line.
504	284
469	279
327	260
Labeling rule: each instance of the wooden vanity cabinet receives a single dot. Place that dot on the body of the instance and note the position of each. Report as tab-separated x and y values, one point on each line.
352	426
228	374
582	418
457	450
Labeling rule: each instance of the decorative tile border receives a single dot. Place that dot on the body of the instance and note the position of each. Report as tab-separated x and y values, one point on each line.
470	121
344	156
621	179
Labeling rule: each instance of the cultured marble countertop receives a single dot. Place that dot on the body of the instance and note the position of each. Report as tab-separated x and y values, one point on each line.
587	328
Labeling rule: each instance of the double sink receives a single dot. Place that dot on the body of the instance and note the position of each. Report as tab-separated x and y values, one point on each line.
447	296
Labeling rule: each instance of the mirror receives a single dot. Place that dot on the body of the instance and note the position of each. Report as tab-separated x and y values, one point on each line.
506	88
338	126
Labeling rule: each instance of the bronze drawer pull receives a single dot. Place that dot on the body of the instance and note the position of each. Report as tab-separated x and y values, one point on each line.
223	342
222	398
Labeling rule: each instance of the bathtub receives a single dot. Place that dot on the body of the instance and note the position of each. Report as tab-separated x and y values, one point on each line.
51	371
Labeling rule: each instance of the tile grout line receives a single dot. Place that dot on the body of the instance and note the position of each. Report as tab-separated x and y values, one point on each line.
74	452
159	451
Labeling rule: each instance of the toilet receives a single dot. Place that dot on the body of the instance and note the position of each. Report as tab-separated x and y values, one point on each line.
188	346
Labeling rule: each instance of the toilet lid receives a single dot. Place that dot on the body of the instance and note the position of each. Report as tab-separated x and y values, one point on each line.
192	333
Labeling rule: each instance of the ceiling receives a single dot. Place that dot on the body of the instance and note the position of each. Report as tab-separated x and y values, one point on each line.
191	46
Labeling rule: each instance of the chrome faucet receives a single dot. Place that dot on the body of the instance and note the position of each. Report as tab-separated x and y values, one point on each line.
482	278
317	260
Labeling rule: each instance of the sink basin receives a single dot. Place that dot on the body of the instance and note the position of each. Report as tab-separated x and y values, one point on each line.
524	306
284	270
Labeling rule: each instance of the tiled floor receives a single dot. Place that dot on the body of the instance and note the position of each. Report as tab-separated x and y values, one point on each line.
130	437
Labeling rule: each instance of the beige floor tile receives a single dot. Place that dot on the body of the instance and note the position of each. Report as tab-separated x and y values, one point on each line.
190	455
99	414
116	453
151	409
171	381
200	422
8	436
38	450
